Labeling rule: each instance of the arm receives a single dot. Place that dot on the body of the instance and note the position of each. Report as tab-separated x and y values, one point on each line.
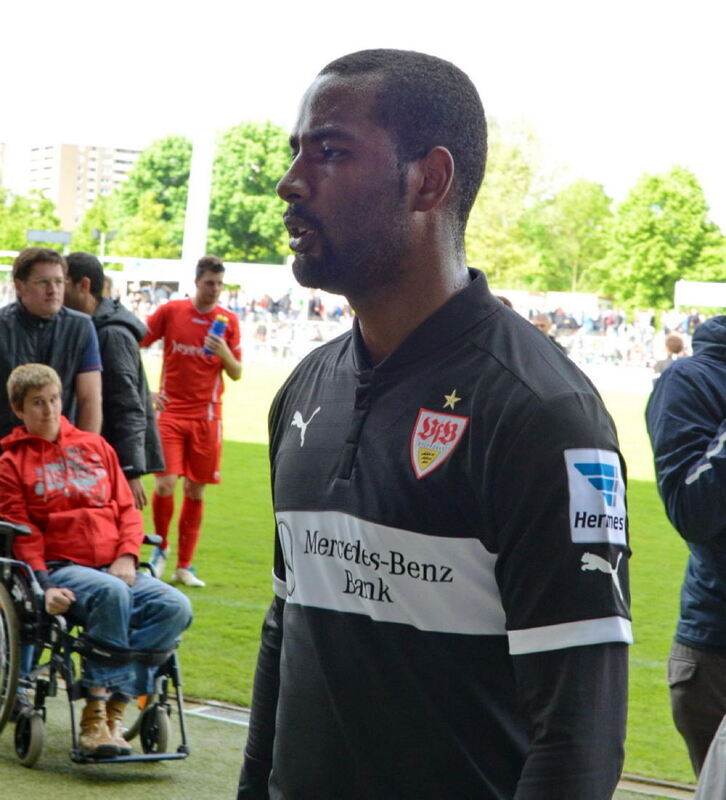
260	738
88	393
13	508
155	325
563	576
124	406
686	420
576	700
257	763
228	348
219	347
88	385
128	517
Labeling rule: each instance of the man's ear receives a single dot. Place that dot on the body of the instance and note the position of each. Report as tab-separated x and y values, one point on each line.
434	176
85	284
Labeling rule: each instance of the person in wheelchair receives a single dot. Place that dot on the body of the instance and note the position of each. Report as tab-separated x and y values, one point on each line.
68	487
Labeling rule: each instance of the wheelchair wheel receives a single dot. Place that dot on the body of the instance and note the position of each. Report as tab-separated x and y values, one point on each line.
133	731
154	730
9	655
29	738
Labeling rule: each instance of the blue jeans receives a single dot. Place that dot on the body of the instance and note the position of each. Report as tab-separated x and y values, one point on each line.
150	615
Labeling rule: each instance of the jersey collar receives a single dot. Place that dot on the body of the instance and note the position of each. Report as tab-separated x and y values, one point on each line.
460	313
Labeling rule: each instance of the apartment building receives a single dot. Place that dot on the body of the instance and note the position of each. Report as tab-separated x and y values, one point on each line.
70	175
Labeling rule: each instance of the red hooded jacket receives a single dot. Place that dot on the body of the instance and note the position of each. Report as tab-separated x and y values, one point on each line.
73	496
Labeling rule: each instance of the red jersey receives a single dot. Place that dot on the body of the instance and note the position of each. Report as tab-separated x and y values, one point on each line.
191	380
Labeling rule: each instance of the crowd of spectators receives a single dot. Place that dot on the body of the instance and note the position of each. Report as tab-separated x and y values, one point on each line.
616	337
292	324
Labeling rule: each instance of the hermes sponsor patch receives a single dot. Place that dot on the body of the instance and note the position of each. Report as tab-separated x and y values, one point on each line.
597	496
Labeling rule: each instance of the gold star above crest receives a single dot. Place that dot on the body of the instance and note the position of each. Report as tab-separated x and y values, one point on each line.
451	399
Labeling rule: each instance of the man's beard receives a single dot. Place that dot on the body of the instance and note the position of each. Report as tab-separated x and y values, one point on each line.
368	262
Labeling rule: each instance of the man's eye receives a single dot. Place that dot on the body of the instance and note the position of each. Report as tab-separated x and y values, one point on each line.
330	153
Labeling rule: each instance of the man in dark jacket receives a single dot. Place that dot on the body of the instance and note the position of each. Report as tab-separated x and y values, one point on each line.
686	418
38	328
129	424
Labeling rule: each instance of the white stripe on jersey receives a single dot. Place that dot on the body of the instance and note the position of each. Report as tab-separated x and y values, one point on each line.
570	634
434	583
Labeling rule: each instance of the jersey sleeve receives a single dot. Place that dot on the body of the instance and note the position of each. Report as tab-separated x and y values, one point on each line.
91	357
258	749
232	336
576	702
155	323
688	434
13	508
124	423
561	523
563	575
128	517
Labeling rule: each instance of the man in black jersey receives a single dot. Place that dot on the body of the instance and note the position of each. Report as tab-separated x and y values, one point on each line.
451	613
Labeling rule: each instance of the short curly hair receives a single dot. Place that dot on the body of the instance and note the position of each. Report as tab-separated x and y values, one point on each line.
426	102
29	376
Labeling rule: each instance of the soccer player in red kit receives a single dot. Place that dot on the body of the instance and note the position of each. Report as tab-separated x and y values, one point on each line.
190	407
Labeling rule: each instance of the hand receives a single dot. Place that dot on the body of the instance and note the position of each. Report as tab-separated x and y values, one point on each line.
159	400
124	568
58	600
139	493
217	345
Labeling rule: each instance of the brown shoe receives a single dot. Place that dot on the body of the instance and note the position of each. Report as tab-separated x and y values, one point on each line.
115	721
95	739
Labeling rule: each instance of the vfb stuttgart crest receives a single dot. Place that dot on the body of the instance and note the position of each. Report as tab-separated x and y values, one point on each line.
434	438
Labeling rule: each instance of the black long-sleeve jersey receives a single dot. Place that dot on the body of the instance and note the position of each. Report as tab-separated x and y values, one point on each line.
451	572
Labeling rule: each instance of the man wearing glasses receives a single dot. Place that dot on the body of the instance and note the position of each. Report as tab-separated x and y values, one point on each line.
37	328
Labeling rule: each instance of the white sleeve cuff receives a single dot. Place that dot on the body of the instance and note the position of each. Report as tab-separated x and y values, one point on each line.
279	587
570	634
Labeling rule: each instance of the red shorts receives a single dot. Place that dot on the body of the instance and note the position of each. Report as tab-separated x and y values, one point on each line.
192	447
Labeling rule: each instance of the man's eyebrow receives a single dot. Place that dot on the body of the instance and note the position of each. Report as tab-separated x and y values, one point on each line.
319	134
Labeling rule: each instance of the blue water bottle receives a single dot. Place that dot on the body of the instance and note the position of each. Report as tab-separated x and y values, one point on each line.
217	328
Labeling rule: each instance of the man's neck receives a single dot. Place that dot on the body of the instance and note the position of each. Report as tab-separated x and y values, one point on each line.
203	308
29	312
387	318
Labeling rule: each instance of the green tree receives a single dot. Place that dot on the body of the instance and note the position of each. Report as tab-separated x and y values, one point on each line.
245	219
18	214
147	234
661	233
163	170
495	238
102	218
570	234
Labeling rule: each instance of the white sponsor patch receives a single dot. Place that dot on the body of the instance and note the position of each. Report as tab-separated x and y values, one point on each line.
597	496
434	583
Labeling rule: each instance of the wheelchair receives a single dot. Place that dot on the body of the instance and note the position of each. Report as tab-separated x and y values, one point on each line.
25	627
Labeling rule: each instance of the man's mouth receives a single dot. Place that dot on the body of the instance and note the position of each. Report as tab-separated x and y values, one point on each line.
302	232
300	238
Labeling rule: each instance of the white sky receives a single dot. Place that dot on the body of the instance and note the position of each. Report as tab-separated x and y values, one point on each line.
613	89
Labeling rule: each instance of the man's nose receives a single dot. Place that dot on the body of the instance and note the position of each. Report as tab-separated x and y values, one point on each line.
294	185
